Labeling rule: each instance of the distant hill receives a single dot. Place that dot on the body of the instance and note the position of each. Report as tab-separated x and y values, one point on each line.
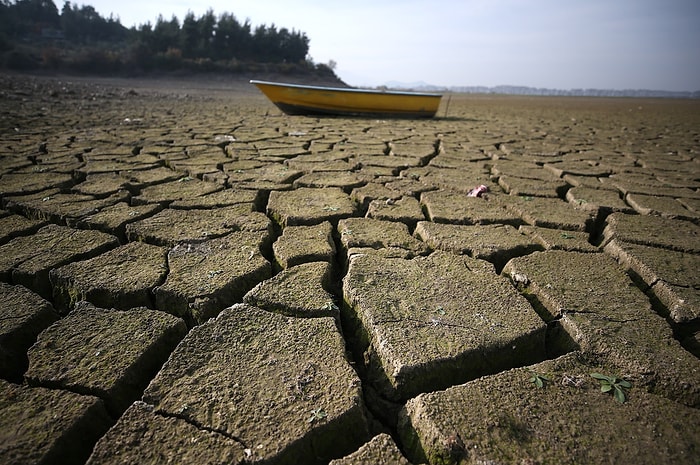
524	90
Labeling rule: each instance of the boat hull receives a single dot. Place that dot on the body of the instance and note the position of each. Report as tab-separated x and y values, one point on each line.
295	99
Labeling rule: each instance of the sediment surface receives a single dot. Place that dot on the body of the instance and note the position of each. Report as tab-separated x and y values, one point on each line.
188	275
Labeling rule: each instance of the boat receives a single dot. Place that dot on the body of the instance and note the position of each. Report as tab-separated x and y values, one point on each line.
297	99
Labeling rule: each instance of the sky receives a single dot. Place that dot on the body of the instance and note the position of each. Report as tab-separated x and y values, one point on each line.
559	44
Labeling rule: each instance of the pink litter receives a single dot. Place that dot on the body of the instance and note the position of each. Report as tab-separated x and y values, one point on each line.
478	191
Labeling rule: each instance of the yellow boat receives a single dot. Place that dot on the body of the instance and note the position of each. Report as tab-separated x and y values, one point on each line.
295	99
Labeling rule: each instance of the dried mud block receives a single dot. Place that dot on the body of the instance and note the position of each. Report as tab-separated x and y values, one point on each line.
406	187
223	198
679	178
309	206
101	185
682	303
522	170
579	168
532	187
494	243
505	418
280	385
363	233
12	226
207	277
63	208
23	315
376	173
113	219
141	436
233	166
303	244
283	151
457	157
110	354
302	291
121	278
603	313
556	239
459	181
598	201
303	163
673	276
657	188
592	183
120	163
682	236
20	198
380	450
435	321
45	426
200	165
273	174
691	204
346	181
27	260
552	213
21	183
418	153
668	207
165	193
137	179
405	210
11	162
384	161
373	191
216	177
170	226
455	207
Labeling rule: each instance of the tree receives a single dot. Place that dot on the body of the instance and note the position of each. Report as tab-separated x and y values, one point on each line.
84	24
42	12
206	26
166	34
28	17
231	39
189	35
194	43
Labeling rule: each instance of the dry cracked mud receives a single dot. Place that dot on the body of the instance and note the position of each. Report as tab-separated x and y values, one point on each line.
188	275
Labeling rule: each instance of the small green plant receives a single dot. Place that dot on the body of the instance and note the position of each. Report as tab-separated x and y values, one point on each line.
539	380
317	415
330	306
565	235
614	384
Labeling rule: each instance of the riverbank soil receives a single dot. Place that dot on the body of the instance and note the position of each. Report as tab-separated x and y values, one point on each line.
188	275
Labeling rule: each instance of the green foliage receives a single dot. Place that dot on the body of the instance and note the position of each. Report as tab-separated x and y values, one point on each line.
613	384
539	380
206	43
330	306
317	415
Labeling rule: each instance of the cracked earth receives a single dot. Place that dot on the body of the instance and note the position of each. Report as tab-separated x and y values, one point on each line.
188	275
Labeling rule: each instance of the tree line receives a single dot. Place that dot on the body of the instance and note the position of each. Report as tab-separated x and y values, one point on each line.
34	33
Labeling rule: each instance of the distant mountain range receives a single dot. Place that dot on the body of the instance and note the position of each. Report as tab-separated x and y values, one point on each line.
524	90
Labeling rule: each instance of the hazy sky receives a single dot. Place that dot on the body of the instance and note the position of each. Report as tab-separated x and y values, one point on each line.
614	44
